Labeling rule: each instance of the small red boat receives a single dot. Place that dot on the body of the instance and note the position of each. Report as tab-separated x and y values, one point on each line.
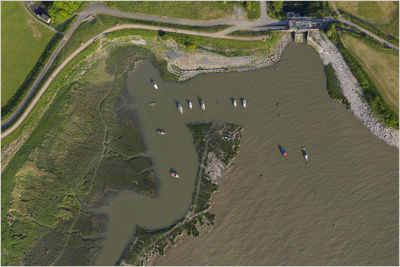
283	152
173	173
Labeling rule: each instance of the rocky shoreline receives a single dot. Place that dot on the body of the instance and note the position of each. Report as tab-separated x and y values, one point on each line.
188	65
351	88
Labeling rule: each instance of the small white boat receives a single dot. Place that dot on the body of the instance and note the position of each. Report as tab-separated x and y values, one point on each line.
244	104
152	103
180	108
173	173
160	131
203	106
190	104
305	155
234	103
154	84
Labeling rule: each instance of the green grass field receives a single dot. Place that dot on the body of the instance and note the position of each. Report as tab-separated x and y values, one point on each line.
381	64
187	10
23	40
383	14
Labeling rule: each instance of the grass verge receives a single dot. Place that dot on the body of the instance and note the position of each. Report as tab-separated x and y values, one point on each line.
23	39
226	47
203	10
19	95
246	33
370	27
382	15
87	29
376	102
381	65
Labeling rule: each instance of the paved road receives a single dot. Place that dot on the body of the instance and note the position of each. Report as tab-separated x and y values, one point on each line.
100	8
263	23
379	39
23	113
341	19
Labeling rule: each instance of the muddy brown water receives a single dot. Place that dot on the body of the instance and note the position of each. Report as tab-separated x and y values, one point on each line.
340	210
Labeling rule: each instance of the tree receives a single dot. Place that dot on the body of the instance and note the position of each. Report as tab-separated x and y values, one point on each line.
277	6
60	11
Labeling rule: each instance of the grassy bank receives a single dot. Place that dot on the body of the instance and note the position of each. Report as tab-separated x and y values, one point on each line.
246	33
377	103
381	65
333	86
278	9
88	29
389	38
203	10
13	102
69	163
24	40
221	140
380	17
226	47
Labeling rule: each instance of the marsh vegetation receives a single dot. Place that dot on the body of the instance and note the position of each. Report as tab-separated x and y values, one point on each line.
85	147
223	140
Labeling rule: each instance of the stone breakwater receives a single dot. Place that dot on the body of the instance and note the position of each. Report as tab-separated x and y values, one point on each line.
188	65
351	88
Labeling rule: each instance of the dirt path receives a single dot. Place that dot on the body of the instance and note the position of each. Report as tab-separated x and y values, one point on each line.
15	119
85	45
341	19
369	33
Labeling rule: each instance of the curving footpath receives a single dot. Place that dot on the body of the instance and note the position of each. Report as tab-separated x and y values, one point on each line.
14	120
345	21
22	111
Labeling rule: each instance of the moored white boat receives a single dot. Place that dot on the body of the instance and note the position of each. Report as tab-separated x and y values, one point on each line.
180	108
160	131
190	104
234	103
244	103
305	155
154	84
203	106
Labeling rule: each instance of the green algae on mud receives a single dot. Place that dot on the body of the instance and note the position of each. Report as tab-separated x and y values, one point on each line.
224	141
333	86
67	165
